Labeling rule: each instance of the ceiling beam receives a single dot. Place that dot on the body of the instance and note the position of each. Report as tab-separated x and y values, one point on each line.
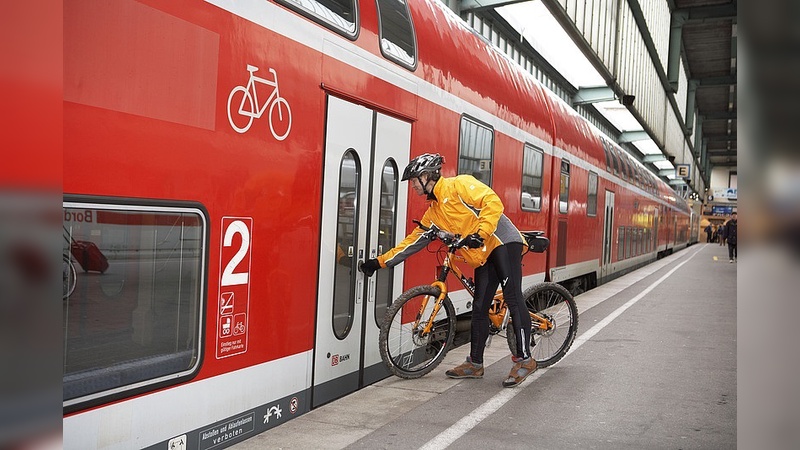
470	5
654	158
633	136
716	81
593	94
712	139
708	13
722	115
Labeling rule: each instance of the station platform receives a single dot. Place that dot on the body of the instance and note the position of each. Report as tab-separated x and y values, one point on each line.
653	366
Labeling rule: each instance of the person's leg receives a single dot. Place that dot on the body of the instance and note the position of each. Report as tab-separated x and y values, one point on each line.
485	286
486	283
508	266
731	251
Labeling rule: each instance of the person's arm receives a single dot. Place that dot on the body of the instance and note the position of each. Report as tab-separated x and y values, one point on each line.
412	243
484	201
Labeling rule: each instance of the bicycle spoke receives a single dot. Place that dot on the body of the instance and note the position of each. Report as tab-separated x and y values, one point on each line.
408	351
553	303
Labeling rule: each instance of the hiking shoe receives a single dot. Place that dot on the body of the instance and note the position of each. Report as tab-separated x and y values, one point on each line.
520	371
467	369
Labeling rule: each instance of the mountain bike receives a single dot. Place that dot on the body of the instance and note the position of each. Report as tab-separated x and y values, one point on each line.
418	328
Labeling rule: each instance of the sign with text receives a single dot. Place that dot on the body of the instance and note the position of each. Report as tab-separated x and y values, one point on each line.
233	299
683	170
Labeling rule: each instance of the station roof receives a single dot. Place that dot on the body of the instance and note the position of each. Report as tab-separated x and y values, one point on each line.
709	52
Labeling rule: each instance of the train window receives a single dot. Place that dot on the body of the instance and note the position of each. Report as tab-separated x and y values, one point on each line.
532	169
387	230
563	191
591	201
628	237
608	155
344	293
398	41
476	146
340	16
621	244
615	158
133	297
623	162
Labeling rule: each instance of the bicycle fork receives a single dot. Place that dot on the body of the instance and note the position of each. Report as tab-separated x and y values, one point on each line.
436	307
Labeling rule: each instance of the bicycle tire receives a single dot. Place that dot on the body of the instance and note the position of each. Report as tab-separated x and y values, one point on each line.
554	301
70	276
402	350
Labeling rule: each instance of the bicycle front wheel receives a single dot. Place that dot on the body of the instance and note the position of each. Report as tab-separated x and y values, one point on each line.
553	302
407	350
70	277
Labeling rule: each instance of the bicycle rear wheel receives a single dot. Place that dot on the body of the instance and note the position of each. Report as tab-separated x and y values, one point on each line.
405	349
553	301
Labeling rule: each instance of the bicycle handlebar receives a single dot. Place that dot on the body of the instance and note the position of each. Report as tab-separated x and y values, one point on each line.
535	241
453	241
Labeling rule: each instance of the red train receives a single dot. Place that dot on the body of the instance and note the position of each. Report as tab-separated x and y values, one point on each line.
233	161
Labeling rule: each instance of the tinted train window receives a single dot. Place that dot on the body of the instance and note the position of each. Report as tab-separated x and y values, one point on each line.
133	297
387	231
338	15
615	158
344	293
476	145
532	168
398	41
591	201
563	192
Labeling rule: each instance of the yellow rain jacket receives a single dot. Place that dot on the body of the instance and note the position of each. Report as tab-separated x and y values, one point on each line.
462	205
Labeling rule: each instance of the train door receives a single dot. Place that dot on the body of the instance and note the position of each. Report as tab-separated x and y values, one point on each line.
608	234
655	229
362	198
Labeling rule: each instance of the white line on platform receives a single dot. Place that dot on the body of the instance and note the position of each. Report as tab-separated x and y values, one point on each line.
468	422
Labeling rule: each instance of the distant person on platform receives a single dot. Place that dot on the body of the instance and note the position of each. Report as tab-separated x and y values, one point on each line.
709	232
730	236
722	231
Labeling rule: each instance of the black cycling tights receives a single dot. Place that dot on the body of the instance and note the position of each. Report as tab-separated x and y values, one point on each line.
504	267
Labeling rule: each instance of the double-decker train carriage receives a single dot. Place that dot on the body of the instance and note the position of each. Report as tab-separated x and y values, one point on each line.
234	160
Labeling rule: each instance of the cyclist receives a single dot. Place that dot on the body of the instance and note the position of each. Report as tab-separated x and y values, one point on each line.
465	206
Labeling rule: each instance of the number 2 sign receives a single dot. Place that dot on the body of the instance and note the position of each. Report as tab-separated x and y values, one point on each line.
233	299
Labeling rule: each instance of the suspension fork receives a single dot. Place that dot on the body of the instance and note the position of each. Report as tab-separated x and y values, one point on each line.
436	307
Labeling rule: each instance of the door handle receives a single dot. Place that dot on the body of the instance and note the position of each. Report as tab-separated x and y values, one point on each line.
371	285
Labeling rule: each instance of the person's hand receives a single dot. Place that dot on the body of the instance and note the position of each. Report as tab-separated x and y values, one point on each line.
369	267
474	240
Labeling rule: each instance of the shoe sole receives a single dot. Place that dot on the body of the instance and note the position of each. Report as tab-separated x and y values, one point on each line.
461	377
517	383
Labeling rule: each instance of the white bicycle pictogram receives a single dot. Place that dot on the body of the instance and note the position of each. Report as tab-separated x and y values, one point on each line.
249	108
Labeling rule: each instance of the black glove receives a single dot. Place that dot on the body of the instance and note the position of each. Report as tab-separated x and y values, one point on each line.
369	267
474	240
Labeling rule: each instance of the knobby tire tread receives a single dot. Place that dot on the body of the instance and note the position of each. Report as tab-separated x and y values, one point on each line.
396	307
572	331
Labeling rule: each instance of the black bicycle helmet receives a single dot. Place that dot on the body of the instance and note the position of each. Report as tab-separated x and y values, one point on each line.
427	162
